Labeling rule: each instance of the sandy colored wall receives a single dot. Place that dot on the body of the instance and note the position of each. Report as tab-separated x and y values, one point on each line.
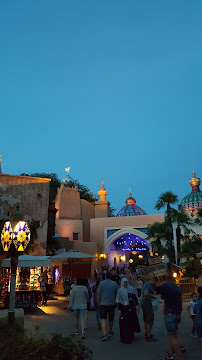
101	209
87	213
32	196
65	228
68	203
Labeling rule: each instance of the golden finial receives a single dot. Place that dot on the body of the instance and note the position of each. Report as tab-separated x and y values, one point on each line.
194	181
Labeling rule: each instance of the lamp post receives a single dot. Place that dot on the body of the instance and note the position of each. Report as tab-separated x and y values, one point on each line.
15	237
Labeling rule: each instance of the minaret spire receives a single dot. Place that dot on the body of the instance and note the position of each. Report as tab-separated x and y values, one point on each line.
0	165
195	182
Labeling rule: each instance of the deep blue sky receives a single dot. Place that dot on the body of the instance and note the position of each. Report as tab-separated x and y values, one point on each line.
110	88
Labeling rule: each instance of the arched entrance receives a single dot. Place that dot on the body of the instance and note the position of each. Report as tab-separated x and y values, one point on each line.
120	244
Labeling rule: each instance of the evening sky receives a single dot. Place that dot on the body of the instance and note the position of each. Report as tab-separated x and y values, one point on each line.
108	87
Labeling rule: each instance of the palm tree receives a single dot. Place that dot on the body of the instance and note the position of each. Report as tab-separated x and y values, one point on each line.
182	219
158	231
198	219
165	199
190	247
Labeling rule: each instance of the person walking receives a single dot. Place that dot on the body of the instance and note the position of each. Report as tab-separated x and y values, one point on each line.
172	296
139	284
127	312
199	314
95	274
148	313
78	302
106	297
192	310
128	275
87	284
43	282
96	307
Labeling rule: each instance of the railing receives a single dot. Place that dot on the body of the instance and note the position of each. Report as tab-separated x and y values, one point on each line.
188	286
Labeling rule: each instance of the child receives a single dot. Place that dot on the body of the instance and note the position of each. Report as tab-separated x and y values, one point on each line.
192	309
199	314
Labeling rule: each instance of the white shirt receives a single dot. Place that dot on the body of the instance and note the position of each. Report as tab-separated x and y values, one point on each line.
192	307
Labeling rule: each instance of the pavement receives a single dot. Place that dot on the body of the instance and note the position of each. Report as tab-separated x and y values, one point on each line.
55	317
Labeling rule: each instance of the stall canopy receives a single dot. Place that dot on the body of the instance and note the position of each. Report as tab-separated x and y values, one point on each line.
29	261
71	255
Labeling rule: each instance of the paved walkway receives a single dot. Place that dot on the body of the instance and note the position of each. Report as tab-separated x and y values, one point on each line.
57	318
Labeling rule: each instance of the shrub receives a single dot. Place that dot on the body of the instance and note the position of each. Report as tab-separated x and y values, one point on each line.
17	344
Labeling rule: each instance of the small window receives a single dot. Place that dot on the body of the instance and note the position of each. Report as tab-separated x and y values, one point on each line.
75	236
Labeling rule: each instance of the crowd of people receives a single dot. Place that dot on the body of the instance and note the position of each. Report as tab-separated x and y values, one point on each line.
126	291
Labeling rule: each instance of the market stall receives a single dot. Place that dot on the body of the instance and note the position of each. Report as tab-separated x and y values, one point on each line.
68	266
29	270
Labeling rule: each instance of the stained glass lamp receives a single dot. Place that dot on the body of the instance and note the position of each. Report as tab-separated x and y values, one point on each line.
14	241
6	236
21	236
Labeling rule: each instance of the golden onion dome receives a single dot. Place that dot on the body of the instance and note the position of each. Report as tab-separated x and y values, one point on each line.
130	200
194	181
102	190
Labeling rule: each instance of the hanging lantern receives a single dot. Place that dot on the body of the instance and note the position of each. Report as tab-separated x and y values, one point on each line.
6	236
21	236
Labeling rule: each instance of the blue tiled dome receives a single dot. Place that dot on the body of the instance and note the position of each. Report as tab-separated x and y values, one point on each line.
192	201
131	210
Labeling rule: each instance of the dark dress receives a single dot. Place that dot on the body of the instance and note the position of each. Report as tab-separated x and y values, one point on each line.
128	322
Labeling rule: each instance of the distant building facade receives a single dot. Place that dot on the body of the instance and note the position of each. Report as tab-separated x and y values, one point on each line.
89	227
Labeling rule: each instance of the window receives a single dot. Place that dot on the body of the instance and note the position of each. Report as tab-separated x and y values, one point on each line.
75	236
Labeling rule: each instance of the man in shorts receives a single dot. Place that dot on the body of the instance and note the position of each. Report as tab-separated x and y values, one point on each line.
172	296
148	313
106	297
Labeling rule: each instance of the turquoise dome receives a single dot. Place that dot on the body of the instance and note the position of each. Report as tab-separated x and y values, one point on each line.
192	201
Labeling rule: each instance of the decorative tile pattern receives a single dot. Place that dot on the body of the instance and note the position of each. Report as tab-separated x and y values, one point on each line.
131	210
192	201
111	232
144	230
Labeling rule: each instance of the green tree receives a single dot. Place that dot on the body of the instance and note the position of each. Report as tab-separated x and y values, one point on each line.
85	193
189	248
182	220
165	200
159	231
198	219
55	183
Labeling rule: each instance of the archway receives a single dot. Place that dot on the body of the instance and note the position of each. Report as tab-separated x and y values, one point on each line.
120	244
